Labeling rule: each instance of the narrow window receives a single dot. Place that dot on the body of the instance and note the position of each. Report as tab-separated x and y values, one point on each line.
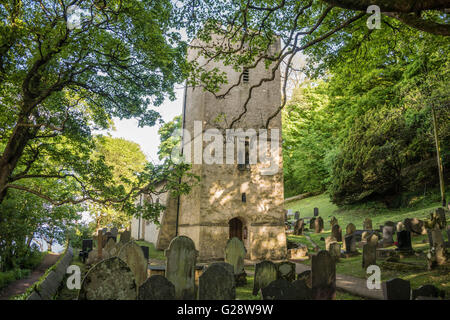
246	75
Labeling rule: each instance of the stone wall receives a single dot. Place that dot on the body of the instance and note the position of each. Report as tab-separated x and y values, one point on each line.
47	287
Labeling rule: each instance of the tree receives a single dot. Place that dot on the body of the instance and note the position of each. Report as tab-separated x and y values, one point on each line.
168	140
58	83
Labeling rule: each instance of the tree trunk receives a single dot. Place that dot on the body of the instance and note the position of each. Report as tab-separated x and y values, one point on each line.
439	160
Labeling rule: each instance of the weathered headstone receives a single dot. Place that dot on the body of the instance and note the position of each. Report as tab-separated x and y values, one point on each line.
329	240
438	218
333	221
350	244
156	287
318	225
280	289
286	270
428	290
316	212
312	223
369	256
367	224
299	226
181	257
265	273
217	283
373	240
323	270
235	254
125	236
110	279
336	232
350	229
110	249
397	289
305	276
388	232
133	256
335	251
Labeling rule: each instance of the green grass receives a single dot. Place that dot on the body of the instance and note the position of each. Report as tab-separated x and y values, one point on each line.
152	252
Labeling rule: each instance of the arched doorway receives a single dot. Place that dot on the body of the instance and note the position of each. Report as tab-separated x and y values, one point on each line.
236	227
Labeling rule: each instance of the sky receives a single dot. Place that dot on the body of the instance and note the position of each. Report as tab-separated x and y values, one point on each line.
148	137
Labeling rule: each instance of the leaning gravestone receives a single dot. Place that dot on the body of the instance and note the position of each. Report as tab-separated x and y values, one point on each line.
280	289
299	226
125	236
235	254
428	290
181	257
397	289
323	270
217	283
367	224
369	255
318	225
336	232
133	256
110	279
156	287
265	273
286	270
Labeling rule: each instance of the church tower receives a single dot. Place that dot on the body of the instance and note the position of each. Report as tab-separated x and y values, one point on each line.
234	198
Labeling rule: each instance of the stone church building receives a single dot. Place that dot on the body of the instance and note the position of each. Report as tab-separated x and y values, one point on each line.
231	200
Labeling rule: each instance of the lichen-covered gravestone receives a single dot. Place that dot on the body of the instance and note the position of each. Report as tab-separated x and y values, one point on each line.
265	273
335	251
156	287
286	270
133	256
181	257
336	232
397	289
110	249
369	256
323	273
110	279
217	283
235	254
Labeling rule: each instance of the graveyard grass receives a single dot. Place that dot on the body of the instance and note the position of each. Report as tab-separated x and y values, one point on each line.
356	215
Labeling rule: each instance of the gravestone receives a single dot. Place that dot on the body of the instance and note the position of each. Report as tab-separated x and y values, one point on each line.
286	270
350	229
299	226
335	251
437	238
336	232
316	212
414	225
145	251
329	240
404	240
225	265
365	235
110	279
350	244
296	215
367	224
428	290
388	232
181	257
318	225
110	249
125	236
235	254
323	274
390	224
312	223
133	256
93	257
305	276
373	240
438	218
265	273
303	291
156	287
369	256
114	232
217	283
400	226
280	289
397	289
333	221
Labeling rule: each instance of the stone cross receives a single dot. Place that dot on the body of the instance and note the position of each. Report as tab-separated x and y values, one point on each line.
397	289
110	279
323	270
156	287
265	273
217	283
133	256
235	254
181	257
